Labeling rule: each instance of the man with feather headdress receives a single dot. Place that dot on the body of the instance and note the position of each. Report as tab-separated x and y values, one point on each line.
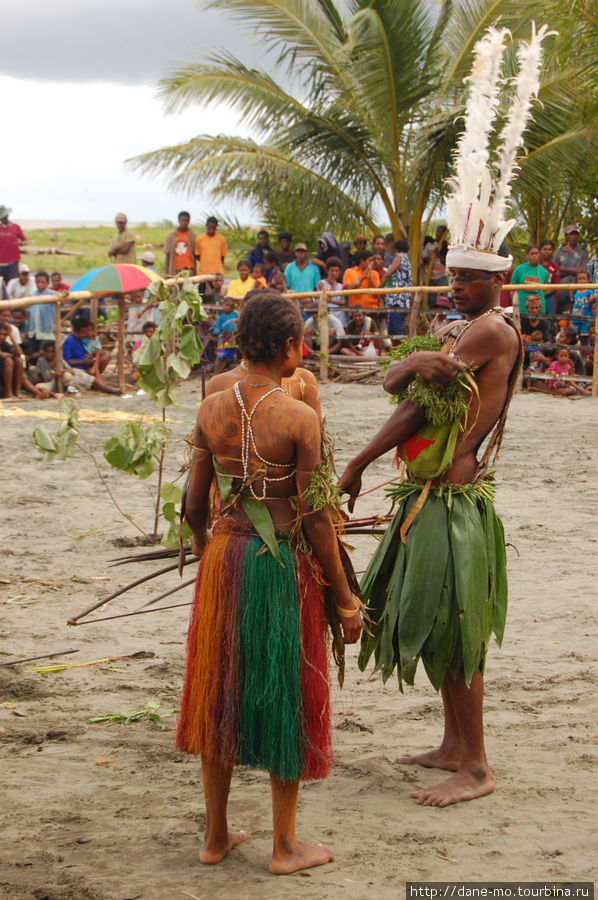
436	586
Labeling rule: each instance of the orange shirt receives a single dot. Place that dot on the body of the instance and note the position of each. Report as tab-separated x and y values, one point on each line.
368	301
210	250
182	254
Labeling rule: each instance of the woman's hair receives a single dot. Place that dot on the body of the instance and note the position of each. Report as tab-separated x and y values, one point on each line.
266	321
401	246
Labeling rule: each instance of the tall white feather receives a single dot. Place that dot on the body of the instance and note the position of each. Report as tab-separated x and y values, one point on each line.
526	84
464	211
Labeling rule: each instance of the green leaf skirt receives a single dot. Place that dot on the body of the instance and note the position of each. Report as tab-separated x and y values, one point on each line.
441	595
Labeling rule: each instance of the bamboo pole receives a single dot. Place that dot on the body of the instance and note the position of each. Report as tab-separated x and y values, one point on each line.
324	333
595	369
528	287
58	362
415	310
517	321
94	311
121	342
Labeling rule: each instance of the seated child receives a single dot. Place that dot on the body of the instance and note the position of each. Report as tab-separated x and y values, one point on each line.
562	365
148	330
93	345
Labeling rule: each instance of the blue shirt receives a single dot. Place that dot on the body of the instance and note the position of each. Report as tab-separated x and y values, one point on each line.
72	348
306	279
42	317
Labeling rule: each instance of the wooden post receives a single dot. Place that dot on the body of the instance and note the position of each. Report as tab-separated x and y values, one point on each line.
517	321
121	342
324	333
94	311
415	310
58	344
595	369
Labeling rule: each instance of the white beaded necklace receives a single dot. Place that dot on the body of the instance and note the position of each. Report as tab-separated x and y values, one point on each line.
248	443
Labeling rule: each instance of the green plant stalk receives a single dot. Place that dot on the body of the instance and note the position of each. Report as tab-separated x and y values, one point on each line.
160	473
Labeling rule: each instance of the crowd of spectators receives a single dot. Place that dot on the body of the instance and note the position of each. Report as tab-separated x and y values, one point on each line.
356	326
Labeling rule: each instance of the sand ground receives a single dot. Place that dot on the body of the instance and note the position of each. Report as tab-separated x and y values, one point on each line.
71	828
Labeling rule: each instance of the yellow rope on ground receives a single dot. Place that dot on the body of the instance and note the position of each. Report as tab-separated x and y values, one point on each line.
93	416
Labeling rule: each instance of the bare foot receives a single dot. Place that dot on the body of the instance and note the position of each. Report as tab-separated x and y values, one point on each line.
212	852
467	784
432	759
299	856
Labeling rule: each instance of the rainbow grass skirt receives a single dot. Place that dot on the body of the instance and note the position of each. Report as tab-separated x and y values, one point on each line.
256	689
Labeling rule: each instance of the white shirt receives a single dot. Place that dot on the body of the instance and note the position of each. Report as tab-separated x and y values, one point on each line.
16	290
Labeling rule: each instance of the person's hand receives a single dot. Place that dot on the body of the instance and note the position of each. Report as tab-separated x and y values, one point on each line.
351	625
350	483
434	366
198	544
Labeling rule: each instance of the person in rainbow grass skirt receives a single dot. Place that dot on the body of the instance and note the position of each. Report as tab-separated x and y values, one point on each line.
256	687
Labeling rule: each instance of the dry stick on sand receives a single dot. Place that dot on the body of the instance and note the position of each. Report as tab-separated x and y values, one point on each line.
75	619
16	662
136	612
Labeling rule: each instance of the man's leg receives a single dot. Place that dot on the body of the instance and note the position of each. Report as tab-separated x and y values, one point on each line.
289	854
7	373
99	384
448	754
473	778
216	786
18	375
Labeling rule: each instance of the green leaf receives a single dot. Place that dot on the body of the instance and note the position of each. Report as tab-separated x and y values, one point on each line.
190	346
169	512
172	492
44	441
149	352
225	481
259	515
117	454
182	309
178	364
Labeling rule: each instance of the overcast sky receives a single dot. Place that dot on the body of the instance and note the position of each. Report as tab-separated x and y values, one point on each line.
77	81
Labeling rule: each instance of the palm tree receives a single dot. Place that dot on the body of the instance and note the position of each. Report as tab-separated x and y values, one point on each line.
359	116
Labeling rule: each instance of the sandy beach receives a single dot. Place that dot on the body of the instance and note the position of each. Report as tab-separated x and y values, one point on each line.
108	812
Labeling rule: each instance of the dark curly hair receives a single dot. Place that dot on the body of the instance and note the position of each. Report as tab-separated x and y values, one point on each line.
266	321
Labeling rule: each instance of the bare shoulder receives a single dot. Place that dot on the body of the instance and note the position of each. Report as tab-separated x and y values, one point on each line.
308	377
224	380
214	404
495	333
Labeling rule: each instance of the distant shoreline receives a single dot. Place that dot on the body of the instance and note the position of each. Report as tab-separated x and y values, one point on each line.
39	224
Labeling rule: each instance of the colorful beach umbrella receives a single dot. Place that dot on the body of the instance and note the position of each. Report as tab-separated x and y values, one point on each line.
118	278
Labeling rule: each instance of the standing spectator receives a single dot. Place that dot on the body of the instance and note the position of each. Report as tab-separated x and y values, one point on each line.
42	315
284	254
215	289
434	258
592	267
363	276
23	285
379	246
210	249
546	260
361	243
240	286
224	328
122	245
263	244
331	282
270	265
328	246
571	259
11	240
179	247
399	273
530	271
58	284
581	303
302	275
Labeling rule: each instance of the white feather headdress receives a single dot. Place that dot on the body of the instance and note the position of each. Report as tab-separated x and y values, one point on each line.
476	207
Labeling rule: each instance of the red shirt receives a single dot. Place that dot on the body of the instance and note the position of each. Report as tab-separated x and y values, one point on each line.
10	235
553	271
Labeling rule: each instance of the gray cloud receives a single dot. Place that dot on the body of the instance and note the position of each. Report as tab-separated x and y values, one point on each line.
108	40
